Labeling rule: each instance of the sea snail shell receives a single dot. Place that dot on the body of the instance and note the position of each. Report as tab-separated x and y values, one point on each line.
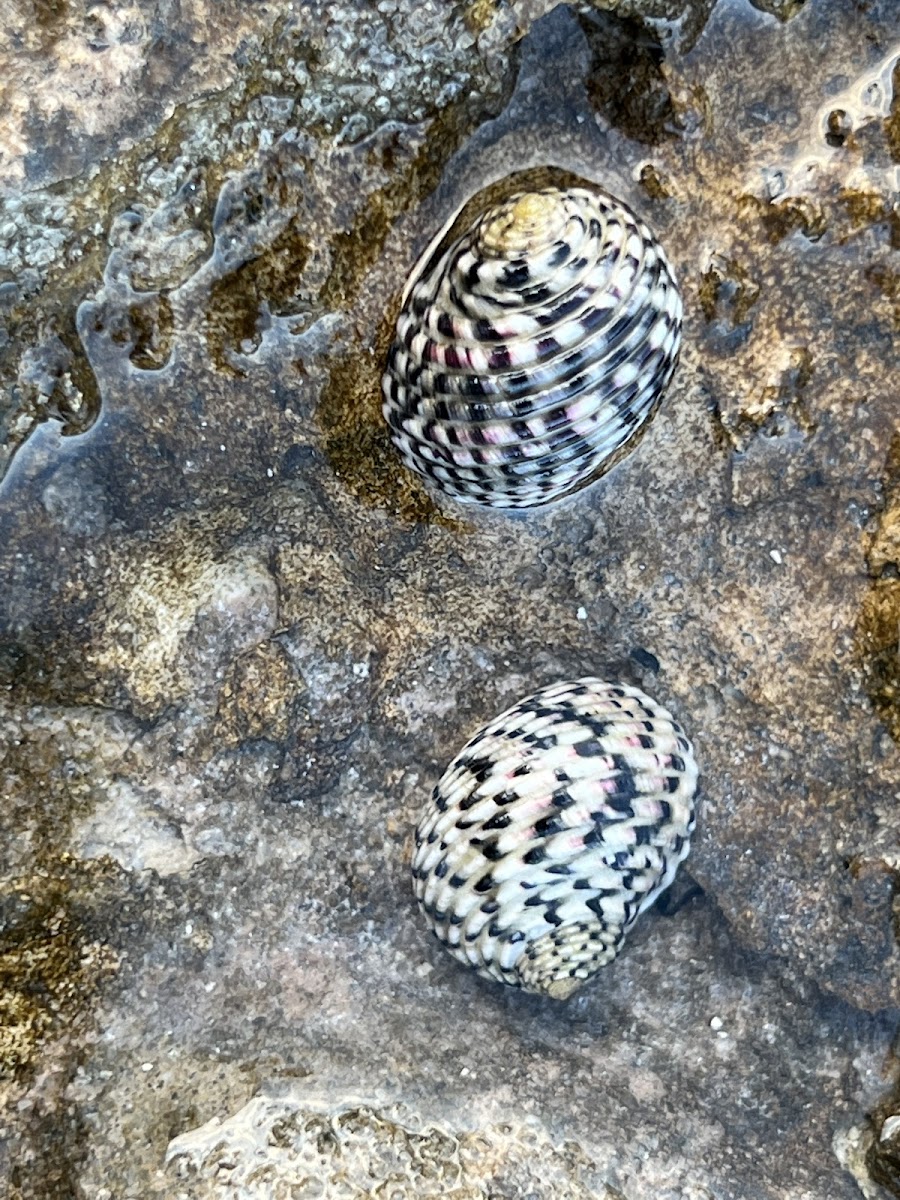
552	830
530	350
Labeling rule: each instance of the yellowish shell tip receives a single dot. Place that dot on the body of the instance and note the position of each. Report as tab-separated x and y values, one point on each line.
562	989
531	210
523	224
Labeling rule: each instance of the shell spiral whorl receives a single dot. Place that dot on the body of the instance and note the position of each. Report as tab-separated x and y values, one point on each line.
530	350
555	826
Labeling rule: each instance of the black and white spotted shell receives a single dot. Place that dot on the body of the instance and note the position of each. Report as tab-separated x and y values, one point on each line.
552	830
530	350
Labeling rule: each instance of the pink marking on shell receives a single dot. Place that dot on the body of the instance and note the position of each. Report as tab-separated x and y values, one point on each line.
582	408
534	806
493	435
519	355
581	814
519	837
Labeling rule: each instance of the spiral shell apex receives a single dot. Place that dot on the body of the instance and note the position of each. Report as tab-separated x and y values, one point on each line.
552	830
532	348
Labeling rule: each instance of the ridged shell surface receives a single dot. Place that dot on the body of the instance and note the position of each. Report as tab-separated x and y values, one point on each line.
552	830
530	350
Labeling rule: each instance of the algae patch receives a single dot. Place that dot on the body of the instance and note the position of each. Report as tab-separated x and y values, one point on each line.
888	284
879	644
238	303
152	328
878	626
356	440
54	954
355	251
626	83
727	291
479	15
781	218
257	697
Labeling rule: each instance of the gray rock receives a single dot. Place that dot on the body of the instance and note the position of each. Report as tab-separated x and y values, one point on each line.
238	643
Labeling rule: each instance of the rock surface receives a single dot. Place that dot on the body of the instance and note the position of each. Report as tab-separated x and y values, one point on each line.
238	643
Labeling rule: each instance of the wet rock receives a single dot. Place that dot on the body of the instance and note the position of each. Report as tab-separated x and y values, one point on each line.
782	9
238	644
76	502
181	611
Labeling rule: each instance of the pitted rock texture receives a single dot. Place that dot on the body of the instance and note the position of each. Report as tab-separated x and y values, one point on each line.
356	1149
239	644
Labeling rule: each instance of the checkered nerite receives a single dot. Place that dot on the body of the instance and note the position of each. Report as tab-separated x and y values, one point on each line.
533	348
552	830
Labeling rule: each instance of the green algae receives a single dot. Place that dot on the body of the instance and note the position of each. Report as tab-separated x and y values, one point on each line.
781	218
355	436
626	82
878	624
152	325
236	301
